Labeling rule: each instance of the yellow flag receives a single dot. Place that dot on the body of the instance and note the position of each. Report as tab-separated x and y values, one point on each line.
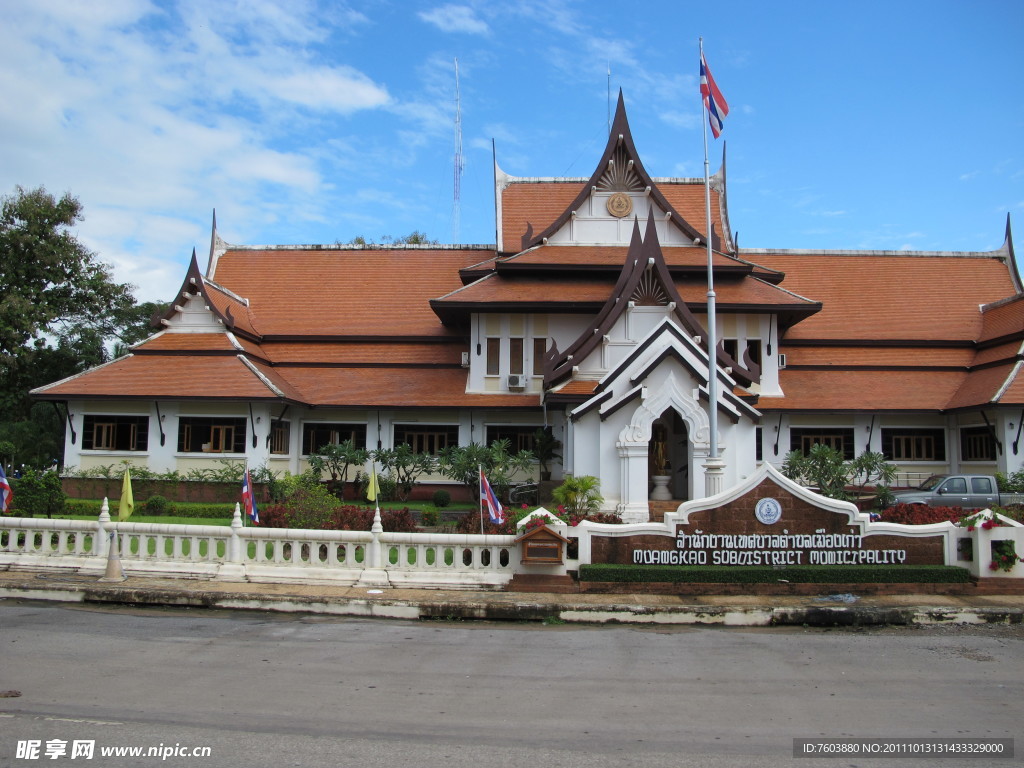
372	489
127	505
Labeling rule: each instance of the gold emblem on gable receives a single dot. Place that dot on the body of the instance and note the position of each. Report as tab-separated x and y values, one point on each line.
620	204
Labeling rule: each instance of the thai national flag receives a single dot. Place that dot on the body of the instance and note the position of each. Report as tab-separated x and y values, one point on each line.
714	101
249	499
490	498
6	494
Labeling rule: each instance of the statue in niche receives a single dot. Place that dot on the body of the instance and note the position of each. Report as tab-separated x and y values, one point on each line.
659	451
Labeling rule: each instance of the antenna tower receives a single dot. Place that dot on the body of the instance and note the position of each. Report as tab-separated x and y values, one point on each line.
457	186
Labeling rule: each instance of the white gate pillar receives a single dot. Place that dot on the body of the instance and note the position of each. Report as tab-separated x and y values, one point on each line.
633	507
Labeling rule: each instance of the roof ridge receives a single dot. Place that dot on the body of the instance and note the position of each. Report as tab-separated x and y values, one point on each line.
466	287
226	291
366	247
784	290
841	252
1001	302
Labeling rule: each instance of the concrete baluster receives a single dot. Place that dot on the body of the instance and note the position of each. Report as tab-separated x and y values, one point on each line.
102	544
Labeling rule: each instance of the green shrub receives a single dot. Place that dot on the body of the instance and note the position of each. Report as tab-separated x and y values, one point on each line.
37	492
82	507
157	505
578	495
430	517
206	510
804	574
442	498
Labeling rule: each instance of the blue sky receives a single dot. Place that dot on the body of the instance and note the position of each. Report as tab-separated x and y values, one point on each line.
881	125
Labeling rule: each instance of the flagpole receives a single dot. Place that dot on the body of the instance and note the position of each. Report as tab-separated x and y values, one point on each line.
377	526
480	492
246	483
713	466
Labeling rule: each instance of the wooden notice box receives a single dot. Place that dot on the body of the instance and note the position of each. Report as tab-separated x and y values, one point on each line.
542	546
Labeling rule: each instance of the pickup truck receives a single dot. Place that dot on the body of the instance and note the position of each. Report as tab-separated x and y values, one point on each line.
967	491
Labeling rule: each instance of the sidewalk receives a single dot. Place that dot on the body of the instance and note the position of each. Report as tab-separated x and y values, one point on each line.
825	610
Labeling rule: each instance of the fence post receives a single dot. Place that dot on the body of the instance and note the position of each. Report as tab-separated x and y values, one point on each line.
232	568
375	574
234	552
102	544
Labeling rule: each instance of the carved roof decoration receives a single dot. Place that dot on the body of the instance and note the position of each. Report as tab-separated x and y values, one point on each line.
227	308
619	169
644	274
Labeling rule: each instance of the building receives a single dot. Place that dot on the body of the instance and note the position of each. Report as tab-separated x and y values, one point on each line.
588	315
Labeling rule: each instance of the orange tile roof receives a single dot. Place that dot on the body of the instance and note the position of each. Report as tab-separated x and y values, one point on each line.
596	290
891	296
844	390
577	387
345	292
1004	318
236	312
394	388
688	200
188	342
339	353
1008	351
541	202
536	203
878	356
1014	393
980	387
156	376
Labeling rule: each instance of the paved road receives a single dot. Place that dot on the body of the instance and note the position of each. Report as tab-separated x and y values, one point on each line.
273	690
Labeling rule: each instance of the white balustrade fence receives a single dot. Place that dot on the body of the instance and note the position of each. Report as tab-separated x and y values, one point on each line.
238	553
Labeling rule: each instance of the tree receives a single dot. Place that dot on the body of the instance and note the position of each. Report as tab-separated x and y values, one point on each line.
136	325
824	469
821	468
463	463
58	303
404	467
336	458
413	238
38	492
59	306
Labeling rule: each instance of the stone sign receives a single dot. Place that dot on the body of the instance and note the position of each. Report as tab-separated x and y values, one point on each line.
770	521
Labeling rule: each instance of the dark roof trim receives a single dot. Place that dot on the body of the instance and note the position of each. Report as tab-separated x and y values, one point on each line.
642	257
589	405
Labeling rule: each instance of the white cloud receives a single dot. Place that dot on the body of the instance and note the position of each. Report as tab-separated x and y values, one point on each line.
455	18
153	115
682	120
341	89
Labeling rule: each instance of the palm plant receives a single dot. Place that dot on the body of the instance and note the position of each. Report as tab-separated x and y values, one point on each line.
579	495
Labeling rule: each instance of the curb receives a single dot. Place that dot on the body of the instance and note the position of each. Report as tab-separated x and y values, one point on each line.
523	609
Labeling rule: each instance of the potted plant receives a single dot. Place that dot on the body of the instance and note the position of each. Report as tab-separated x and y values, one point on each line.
545	449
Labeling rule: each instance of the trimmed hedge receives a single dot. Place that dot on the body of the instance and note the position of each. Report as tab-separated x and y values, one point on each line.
805	574
91	507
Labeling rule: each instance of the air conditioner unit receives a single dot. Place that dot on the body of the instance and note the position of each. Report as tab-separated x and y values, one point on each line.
517	381
465	359
782	361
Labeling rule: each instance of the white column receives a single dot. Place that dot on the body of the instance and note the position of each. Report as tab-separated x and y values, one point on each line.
633	506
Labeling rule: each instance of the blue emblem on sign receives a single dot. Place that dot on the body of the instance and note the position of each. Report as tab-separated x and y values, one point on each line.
768	511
